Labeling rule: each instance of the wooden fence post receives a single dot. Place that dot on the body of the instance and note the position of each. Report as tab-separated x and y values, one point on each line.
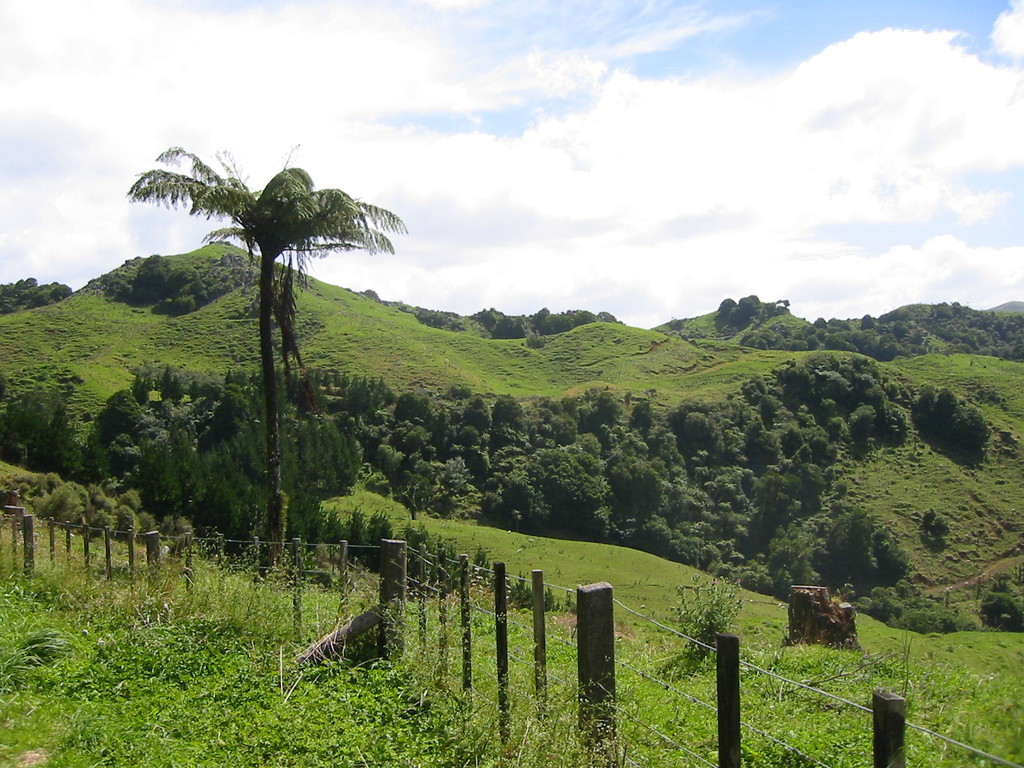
108	560
889	720
255	559
501	647
16	535
131	553
152	539
421	574
67	541
540	653
442	611
595	631
297	584
728	674
467	631
53	541
189	572
393	553
343	569
85	547
28	536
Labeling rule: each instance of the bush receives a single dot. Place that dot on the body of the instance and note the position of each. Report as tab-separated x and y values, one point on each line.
66	503
934	525
1003	610
706	608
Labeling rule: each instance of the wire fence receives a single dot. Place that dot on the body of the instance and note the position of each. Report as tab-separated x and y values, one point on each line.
459	613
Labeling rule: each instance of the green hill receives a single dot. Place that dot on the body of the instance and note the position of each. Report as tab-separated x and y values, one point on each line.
1016	307
89	344
765	465
915	329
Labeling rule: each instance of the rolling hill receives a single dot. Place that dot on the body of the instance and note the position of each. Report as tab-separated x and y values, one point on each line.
89	345
198	316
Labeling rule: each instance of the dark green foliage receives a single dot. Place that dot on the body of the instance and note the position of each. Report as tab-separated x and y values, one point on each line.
858	551
949	421
195	449
934	525
743	488
573	487
498	325
749	316
907	331
1003	606
903	605
36	433
174	288
28	294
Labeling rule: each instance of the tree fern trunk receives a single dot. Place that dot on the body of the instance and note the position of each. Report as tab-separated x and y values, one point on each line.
275	495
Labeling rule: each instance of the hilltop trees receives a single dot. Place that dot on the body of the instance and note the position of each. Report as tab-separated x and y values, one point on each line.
28	293
911	330
282	226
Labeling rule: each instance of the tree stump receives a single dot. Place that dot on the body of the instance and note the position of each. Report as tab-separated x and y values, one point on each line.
814	618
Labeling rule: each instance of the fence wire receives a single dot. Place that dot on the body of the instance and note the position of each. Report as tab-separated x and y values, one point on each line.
246	557
666	739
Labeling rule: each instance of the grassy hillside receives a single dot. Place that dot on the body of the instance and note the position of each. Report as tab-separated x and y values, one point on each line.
1015	307
651	584
980	501
89	345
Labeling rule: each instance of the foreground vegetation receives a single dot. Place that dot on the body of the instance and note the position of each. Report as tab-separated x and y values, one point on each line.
158	674
94	673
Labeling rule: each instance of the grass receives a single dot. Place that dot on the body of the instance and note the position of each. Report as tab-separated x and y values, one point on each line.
89	345
158	674
649	584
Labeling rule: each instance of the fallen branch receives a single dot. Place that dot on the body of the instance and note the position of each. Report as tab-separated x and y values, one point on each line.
332	646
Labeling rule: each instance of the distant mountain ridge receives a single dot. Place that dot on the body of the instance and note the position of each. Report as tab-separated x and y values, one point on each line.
1016	307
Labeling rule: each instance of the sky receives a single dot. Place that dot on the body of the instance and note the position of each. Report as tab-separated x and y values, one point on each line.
639	157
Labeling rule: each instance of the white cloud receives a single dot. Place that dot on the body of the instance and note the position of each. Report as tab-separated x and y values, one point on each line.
650	198
455	5
817	146
1008	33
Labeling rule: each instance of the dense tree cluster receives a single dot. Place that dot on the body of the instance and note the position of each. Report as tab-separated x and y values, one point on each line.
492	324
28	294
744	489
950	421
171	287
911	330
542	323
190	446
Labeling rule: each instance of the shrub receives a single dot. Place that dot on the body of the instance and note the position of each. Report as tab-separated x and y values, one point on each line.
1003	610
66	503
706	608
934	525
